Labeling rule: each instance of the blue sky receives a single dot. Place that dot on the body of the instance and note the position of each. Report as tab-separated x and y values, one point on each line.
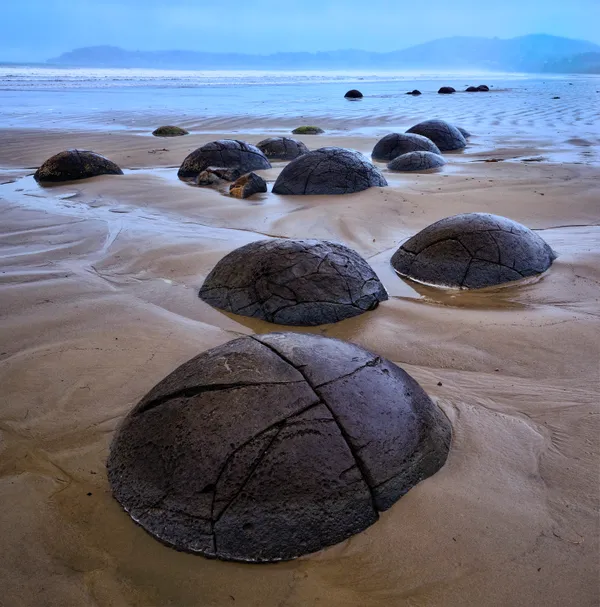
35	30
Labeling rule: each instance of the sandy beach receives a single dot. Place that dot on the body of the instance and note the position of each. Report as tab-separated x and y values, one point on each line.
99	301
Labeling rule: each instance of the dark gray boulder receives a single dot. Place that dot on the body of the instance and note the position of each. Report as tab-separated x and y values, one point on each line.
464	132
293	282
169	131
353	94
75	164
281	148
483	88
396	144
447	90
248	185
226	153
308	130
274	446
472	89
473	250
328	171
417	161
446	136
415	92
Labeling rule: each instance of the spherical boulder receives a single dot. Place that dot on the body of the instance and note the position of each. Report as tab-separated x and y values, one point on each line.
308	130
75	164
417	161
294	282
443	134
353	94
328	171
472	89
396	144
281	148
447	90
225	153
274	446
483	88
473	250
169	131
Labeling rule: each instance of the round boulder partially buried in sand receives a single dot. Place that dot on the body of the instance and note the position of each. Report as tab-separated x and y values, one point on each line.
395	144
225	153
447	90
274	446
328	171
75	164
473	250
417	161
169	131
446	136
294	282
281	148
353	94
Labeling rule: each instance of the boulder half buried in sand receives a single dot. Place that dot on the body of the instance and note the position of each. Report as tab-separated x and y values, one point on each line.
417	161
281	148
294	282
328	171
473	250
446	136
396	144
464	132
353	94
308	130
274	446
169	131
226	153
75	164
415	93
447	90
248	185
213	175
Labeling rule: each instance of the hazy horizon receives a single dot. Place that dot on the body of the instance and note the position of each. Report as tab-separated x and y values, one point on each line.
42	30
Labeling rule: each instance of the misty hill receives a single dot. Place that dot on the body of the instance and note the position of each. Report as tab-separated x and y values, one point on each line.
534	53
584	63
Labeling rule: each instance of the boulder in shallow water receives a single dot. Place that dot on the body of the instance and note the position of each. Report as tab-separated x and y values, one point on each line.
446	136
472	89
447	90
273	446
71	165
214	175
464	132
169	131
396	144
353	94
293	282
226	153
248	185
308	130
473	250
281	148
328	171
417	161
483	88
415	92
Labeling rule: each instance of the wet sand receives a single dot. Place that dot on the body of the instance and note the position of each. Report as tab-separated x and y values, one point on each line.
98	302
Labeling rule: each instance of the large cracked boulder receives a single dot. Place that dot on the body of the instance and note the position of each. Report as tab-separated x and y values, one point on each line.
396	144
274	446
328	171
225	153
416	161
446	136
75	164
294	282
473	250
281	148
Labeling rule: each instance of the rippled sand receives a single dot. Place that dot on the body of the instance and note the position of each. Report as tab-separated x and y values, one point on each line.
98	302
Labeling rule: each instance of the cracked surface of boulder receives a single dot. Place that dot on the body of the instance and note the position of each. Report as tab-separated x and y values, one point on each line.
328	171
225	153
75	164
215	175
395	144
473	250
293	282
281	148
169	131
353	94
446	136
416	161
248	185
274	446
